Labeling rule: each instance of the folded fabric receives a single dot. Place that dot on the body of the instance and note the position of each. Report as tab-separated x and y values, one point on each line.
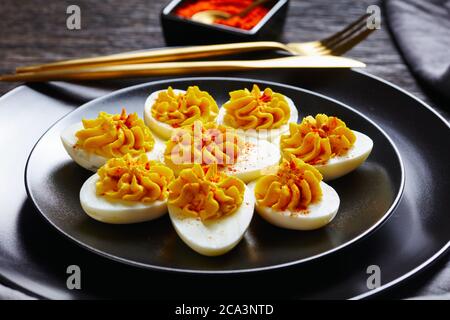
421	29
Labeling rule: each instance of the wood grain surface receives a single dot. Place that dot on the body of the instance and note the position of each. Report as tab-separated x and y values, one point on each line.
34	31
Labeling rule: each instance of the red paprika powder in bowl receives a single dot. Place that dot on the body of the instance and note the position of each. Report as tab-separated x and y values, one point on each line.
263	22
233	7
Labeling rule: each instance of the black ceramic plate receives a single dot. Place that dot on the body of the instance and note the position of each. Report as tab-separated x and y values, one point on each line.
368	195
34	256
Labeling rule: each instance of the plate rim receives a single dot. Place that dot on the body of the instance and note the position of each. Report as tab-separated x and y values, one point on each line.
420	268
443	250
178	270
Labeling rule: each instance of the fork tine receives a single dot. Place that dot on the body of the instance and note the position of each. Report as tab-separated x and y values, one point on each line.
339	40
344	46
342	32
344	40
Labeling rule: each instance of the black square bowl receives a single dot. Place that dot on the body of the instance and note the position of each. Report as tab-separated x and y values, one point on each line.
180	31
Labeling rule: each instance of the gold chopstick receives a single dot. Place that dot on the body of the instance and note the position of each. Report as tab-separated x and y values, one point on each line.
171	68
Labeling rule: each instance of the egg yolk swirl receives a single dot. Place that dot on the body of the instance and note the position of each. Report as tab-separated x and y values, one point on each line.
253	110
202	143
183	109
113	135
134	179
316	140
295	185
205	193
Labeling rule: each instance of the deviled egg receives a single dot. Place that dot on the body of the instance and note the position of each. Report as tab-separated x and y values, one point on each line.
258	114
209	210
127	190
327	144
199	143
91	142
167	110
294	197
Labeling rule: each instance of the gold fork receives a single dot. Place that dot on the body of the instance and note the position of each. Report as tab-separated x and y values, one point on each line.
337	44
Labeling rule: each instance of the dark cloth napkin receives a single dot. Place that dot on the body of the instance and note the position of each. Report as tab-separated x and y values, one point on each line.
7	293
421	29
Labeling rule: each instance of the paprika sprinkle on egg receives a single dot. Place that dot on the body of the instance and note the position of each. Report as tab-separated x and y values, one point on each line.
188	8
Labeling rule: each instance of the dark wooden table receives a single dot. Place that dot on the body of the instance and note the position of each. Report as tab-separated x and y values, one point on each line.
34	31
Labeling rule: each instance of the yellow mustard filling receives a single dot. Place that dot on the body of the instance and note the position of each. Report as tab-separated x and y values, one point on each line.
113	135
316	140
205	193
255	110
134	179
202	143
293	187
183	109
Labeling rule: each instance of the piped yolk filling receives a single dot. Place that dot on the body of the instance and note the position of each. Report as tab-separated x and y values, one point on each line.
203	144
113	135
293	187
255	110
205	193
317	140
183	109
134	179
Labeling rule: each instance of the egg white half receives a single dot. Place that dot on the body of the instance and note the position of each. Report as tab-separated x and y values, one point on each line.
318	215
256	157
163	130
92	161
117	211
218	236
269	134
341	165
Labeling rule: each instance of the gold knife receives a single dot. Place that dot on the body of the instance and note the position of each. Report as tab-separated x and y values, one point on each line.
175	68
